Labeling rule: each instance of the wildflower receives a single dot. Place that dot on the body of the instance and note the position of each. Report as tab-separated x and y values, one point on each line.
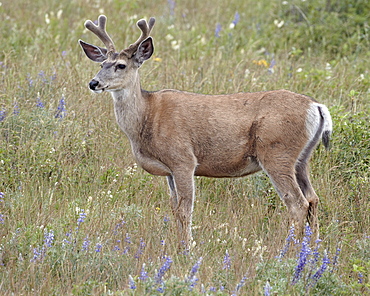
116	247
161	272
288	240
64	53
49	238
316	253
278	23
360	278
2	115
2	196
303	255
36	254
43	76
30	80
240	284
227	261
267	289
128	239
218	30
335	259
118	226
235	21
192	279
143	274
98	247
166	219
66	241
172	5
140	249
2	220
321	270
61	110
16	109
81	217
85	244
39	103
131	283
262	62
271	66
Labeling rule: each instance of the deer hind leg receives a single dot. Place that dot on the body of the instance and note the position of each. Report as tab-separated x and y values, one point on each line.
173	193
282	175
309	193
182	201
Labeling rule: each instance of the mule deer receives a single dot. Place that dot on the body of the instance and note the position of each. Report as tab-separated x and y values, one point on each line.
179	134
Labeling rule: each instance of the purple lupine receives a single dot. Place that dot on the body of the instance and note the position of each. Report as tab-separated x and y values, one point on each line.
161	272
303	255
36	255
143	274
131	283
116	247
98	247
218	30
240	284
39	103
267	289
49	238
81	217
321	270
2	115
335	259
141	249
30	80
43	76
192	279
86	244
360	277
118	226
236	18
289	240
16	109
227	261
61	110
172	5
67	241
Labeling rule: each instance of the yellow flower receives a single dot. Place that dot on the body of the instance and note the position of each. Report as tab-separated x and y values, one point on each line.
261	63
157	59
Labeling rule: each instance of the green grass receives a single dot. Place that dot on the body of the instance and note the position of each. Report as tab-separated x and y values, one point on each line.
54	168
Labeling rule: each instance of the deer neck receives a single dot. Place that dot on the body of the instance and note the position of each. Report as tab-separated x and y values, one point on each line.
129	108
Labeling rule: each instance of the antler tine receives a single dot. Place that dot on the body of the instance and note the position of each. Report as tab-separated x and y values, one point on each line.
145	32
100	31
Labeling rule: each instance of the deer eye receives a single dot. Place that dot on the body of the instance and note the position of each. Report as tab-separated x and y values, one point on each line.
121	66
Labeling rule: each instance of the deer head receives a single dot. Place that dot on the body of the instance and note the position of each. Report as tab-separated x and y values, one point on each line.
119	70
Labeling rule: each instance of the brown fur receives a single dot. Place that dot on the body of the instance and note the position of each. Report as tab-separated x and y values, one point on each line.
181	134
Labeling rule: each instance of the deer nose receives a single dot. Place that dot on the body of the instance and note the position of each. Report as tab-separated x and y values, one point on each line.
93	84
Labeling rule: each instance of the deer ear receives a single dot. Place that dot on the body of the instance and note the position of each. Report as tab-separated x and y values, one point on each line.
93	52
144	51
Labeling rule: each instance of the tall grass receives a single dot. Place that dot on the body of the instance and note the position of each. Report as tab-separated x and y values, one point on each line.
78	217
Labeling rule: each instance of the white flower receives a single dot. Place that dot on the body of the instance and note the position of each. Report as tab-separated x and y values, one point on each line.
278	23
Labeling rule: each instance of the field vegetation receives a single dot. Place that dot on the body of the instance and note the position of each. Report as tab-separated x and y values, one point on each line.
78	217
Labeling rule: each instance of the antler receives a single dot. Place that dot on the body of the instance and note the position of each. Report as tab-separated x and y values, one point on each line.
145	32
99	30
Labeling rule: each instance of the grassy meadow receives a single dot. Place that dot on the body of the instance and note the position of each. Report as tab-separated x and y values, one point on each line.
78	217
